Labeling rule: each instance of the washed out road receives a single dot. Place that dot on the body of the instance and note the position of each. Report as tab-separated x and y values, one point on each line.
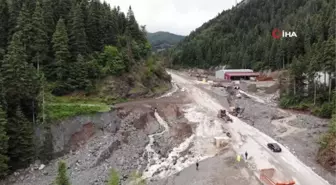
247	138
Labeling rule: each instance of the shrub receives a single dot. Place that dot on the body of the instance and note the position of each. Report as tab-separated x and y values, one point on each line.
324	140
62	177
325	111
114	178
287	101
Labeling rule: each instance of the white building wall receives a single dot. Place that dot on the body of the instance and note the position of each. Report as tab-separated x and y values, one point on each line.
220	74
322	78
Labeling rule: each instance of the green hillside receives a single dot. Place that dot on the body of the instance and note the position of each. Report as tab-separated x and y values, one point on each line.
163	40
62	58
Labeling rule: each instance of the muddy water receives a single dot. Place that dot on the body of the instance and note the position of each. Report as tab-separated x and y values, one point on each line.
153	157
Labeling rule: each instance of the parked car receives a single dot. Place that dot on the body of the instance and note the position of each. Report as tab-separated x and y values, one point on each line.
274	147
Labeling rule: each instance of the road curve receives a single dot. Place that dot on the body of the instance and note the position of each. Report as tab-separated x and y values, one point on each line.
248	138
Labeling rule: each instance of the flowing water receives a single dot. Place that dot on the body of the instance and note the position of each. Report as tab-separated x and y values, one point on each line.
200	144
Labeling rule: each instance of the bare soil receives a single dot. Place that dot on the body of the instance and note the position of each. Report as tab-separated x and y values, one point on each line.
220	170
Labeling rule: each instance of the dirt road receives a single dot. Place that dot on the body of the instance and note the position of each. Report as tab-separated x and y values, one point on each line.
248	138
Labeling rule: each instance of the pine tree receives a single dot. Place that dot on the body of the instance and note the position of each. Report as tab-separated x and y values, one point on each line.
60	48
78	36
122	22
4	27
13	69
329	62
48	18
24	25
332	25
39	45
3	144
94	29
82	73
20	134
63	9
109	26
62	177
132	26
114	178
15	9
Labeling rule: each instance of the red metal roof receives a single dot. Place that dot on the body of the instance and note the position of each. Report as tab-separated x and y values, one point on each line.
242	74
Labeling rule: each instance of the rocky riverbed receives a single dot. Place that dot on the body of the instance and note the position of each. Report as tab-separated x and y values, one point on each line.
117	139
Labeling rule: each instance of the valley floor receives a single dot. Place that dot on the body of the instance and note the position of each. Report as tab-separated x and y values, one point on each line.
164	144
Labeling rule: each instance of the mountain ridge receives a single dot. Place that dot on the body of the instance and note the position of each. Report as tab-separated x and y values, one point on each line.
161	40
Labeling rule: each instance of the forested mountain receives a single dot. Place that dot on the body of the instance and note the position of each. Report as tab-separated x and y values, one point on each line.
242	38
59	47
163	40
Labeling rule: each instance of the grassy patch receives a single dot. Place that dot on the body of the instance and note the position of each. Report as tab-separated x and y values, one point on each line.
62	107
62	111
76	99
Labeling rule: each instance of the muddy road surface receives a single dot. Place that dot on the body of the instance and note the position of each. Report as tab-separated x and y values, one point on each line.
162	139
248	138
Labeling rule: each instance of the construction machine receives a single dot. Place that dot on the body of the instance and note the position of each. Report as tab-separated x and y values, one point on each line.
222	114
267	177
236	111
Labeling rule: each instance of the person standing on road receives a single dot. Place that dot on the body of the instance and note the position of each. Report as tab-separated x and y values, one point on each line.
246	155
197	165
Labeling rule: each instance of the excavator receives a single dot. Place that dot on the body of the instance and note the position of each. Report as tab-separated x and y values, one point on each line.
235	111
222	114
267	177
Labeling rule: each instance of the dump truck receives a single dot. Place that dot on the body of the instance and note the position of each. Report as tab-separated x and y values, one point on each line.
267	178
222	114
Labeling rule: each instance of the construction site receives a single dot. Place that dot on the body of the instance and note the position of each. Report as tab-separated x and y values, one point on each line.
237	89
223	124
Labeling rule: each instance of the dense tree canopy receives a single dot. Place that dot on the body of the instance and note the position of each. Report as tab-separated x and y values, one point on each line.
241	36
60	45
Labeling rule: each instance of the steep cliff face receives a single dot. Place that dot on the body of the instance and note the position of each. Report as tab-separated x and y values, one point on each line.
70	134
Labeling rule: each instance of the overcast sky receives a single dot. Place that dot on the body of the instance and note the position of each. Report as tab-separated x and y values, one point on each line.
175	16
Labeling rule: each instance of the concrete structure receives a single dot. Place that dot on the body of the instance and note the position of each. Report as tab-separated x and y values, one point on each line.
221	141
235	74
